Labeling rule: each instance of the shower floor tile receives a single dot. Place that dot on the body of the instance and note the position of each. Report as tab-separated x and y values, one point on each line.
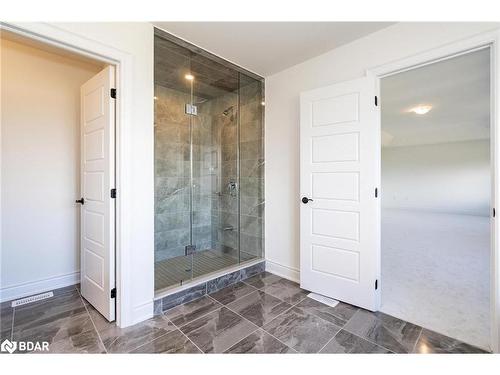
289	324
174	271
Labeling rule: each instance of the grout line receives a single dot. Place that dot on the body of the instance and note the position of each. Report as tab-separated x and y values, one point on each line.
253	290
92	320
292	306
258	327
416	341
178	328
201	316
365	338
324	346
236	343
236	313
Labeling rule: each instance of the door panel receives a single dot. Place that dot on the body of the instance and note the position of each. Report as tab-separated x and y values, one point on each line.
97	180
339	255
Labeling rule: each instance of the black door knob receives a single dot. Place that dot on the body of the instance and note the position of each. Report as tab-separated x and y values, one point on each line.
305	200
81	201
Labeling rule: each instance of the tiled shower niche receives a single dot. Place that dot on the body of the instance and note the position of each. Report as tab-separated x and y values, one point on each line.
209	164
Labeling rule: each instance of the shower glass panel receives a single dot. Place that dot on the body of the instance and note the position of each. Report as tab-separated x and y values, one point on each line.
209	163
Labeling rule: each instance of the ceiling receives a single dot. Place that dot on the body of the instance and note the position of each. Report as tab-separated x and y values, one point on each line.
172	62
458	90
266	48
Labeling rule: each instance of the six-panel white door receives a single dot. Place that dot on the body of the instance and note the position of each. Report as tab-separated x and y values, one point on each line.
97	180
339	235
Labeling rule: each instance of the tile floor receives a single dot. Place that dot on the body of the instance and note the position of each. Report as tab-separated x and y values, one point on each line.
263	314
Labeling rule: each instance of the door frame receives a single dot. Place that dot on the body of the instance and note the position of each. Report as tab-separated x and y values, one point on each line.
489	40
122	61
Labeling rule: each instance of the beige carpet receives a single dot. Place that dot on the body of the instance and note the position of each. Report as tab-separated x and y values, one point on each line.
435	272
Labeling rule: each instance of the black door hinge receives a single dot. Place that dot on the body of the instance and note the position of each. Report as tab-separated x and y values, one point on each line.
376	284
113	93
113	293
376	192
113	193
376	101
493	212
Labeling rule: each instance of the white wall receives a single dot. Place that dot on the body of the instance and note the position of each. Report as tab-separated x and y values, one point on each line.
451	178
136	40
282	117
40	129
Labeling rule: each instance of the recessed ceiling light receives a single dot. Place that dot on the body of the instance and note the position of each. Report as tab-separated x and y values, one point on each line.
421	109
262	103
189	77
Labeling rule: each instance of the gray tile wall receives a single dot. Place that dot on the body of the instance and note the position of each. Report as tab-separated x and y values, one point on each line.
215	166
252	169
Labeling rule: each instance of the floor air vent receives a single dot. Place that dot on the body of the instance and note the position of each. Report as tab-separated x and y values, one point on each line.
38	297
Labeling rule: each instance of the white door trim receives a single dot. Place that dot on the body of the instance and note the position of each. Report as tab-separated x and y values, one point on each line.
483	40
60	38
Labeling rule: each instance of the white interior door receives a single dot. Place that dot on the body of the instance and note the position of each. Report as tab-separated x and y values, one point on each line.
339	225
97	181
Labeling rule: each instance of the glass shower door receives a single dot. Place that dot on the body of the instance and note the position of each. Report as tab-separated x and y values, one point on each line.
215	187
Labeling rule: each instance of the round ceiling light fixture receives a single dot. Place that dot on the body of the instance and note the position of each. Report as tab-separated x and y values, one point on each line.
421	109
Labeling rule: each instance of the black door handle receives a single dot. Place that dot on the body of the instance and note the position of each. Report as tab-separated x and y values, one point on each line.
81	201
305	200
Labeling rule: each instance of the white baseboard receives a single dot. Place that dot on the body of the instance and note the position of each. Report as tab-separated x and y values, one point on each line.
34	287
286	272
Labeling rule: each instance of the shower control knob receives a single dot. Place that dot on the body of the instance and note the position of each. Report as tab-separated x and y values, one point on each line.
305	200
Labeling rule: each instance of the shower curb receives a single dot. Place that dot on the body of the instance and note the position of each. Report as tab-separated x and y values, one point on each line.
210	286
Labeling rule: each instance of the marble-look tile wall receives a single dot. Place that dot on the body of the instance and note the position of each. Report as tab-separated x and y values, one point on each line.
215	170
224	110
252	169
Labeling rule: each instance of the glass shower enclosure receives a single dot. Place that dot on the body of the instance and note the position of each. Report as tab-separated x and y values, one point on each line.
209	163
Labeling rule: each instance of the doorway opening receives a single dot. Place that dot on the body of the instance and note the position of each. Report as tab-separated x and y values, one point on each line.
58	161
436	185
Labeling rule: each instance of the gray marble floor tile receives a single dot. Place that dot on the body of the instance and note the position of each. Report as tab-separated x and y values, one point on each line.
301	330
345	342
260	342
6	315
123	340
218	331
100	322
85	342
42	312
232	292
433	342
391	333
262	279
286	290
174	342
190	311
259	307
338	315
53	329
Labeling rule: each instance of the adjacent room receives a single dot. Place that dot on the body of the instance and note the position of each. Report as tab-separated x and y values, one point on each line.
436	193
